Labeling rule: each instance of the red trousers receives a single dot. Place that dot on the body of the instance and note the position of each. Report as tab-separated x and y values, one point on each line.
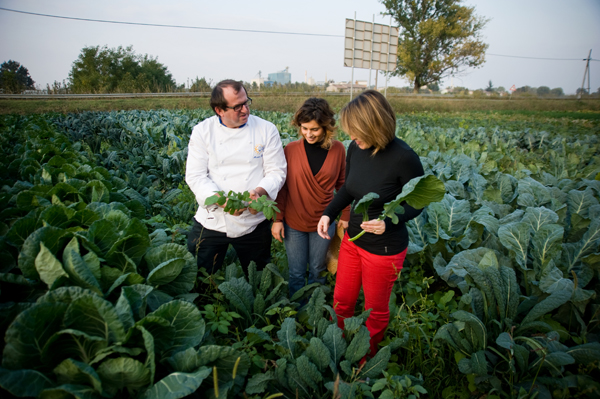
376	274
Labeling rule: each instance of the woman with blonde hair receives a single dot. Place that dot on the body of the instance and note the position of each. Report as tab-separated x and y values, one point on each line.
316	166
377	161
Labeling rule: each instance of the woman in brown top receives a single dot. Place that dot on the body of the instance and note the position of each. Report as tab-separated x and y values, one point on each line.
316	166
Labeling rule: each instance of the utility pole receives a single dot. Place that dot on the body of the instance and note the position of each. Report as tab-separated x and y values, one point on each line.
386	68
371	60
353	60
587	71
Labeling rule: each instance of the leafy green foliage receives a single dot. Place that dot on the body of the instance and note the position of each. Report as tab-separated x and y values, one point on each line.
418	193
435	39
233	202
502	270
103	70
362	206
177	385
15	78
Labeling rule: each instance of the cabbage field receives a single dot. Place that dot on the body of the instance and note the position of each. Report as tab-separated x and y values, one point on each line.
99	297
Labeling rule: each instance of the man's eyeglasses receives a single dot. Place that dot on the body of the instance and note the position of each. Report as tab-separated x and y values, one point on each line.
238	108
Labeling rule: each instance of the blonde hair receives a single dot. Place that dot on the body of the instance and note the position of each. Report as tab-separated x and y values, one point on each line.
317	109
370	118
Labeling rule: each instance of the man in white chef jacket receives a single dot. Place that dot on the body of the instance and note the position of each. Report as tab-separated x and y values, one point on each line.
233	150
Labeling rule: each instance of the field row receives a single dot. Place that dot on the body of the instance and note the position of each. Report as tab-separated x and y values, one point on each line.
100	297
586	109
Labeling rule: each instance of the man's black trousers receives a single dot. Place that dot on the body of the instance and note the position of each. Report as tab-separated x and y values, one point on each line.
210	246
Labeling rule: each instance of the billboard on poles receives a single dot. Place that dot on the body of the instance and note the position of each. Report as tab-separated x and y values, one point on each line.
371	46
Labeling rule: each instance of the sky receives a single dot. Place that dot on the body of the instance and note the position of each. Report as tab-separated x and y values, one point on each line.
531	42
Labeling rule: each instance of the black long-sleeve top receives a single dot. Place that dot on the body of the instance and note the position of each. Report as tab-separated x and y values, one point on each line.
384	173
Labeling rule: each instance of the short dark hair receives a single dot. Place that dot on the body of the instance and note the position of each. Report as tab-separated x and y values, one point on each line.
318	110
217	100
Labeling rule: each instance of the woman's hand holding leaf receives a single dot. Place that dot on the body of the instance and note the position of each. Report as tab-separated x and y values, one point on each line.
418	193
374	226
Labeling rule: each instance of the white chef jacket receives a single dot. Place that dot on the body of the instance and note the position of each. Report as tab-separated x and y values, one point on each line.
241	159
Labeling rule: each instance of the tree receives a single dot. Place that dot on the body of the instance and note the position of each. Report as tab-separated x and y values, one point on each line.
201	85
156	76
103	70
543	91
57	88
490	88
460	90
14	77
437	39
557	92
434	87
523	90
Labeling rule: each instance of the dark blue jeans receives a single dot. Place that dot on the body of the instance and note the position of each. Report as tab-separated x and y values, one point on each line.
210	246
305	249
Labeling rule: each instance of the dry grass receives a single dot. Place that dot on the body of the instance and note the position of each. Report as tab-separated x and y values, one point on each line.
402	104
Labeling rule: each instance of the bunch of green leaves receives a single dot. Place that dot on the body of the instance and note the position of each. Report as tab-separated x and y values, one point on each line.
362	206
233	202
418	193
266	206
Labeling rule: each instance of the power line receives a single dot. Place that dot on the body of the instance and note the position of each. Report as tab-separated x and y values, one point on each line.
539	58
247	30
167	26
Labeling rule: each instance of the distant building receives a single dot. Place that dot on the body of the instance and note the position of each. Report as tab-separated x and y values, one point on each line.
281	77
344	87
258	81
309	81
261	81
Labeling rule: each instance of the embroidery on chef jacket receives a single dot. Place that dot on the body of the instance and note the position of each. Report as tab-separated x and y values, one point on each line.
258	151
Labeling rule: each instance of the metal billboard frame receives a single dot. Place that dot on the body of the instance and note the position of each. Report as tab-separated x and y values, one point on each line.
370	46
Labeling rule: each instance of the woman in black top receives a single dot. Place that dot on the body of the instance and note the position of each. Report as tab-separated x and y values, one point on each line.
377	161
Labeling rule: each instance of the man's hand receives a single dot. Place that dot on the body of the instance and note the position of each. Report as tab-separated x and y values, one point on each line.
238	212
256	194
